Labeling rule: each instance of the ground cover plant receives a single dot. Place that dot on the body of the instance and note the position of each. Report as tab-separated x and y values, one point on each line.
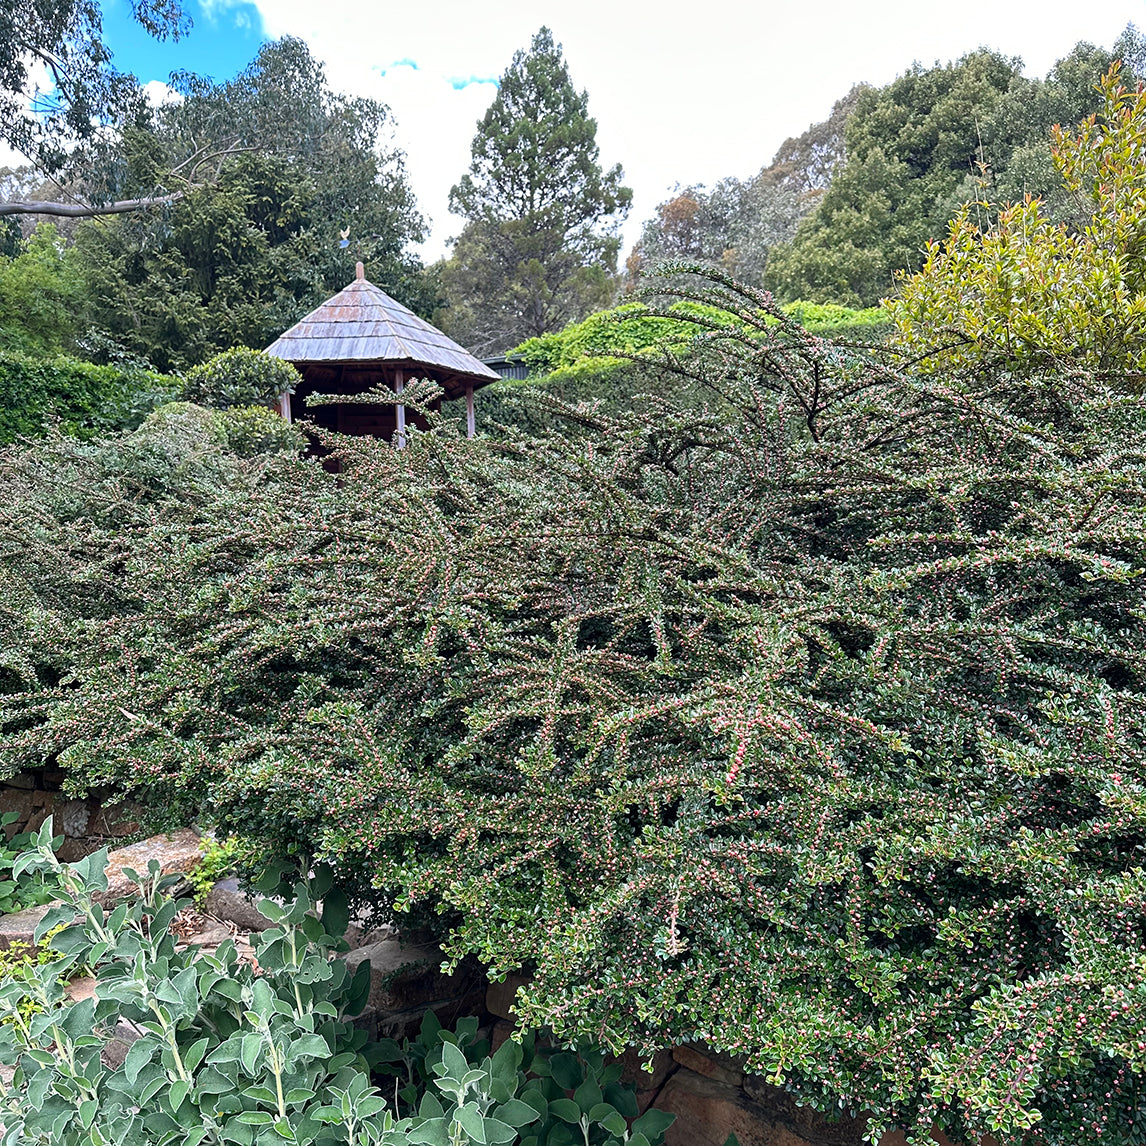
816	734
220	1051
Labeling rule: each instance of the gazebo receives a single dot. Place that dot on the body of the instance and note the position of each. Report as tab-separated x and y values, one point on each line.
362	339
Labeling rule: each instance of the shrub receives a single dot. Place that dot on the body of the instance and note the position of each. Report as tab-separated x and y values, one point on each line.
239	377
80	398
809	720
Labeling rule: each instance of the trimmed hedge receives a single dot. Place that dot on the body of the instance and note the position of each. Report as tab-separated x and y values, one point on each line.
83	399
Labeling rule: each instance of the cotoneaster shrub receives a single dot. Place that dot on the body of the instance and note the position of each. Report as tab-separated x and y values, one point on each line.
807	721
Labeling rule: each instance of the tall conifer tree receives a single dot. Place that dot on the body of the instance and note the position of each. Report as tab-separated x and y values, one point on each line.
540	245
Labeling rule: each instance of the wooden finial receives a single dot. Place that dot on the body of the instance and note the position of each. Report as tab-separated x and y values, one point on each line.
360	272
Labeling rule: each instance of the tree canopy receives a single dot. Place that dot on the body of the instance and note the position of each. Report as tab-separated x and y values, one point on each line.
1012	286
237	261
63	104
539	248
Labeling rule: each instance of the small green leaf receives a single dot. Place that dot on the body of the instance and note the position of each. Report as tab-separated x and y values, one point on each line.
255	1118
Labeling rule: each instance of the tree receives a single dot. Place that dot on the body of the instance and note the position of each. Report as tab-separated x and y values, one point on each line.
239	260
41	295
63	104
540	244
920	147
733	226
736	224
1012	287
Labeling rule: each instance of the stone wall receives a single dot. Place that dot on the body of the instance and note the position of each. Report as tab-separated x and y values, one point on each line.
86	825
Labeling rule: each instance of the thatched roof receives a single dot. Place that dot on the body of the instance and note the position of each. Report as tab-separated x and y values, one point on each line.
364	325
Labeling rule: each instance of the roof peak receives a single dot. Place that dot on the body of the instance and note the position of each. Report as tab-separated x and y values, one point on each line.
359	272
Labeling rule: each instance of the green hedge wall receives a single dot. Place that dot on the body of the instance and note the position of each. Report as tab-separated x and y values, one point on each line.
83	399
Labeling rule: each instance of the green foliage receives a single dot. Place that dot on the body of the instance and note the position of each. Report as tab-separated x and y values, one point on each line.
540	246
239	377
18	891
80	398
923	145
228	1054
1030	293
40	295
808	719
241	256
245	431
549	1096
55	128
218	862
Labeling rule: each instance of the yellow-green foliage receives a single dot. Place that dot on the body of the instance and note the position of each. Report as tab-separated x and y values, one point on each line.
583	349
218	862
1034	293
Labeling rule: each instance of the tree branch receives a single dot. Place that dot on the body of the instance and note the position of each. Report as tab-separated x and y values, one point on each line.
85	210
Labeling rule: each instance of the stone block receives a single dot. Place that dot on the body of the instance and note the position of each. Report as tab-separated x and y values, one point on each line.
111	820
632	1064
177	852
20	926
23	802
407	977
708	1111
235	907
803	1122
499	996
81	988
20	780
711	1064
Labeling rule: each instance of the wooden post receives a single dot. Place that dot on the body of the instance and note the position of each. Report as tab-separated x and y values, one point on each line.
284	405
470	412
400	413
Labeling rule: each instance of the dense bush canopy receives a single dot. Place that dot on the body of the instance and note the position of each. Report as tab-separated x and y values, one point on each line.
77	397
814	730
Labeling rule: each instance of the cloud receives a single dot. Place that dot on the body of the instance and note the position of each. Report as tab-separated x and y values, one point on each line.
159	93
459	82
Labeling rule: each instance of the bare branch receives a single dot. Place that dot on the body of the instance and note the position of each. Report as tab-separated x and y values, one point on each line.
86	210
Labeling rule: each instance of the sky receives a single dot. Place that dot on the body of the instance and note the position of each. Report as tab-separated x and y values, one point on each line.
682	93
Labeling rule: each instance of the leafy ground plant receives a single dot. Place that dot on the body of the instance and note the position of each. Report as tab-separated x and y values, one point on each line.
220	1051
29	888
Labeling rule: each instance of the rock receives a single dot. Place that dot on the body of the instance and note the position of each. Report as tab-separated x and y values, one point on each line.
499	996
119	819
405	982
23	802
235	907
177	852
20	926
80	989
806	1123
209	936
632	1069
20	780
501	1031
712	1064
709	1111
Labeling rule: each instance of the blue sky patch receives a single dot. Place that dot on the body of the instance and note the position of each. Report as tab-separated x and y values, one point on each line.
224	38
